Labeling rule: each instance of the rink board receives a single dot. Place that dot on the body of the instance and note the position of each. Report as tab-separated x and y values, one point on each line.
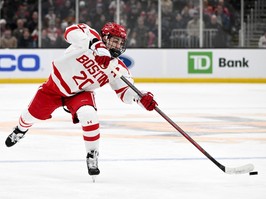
149	65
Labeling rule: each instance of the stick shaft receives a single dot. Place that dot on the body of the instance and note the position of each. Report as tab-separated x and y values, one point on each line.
189	138
170	121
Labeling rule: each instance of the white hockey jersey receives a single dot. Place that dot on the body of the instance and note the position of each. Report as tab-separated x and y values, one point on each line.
77	70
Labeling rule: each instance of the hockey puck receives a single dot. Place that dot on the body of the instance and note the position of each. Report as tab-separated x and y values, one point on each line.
253	173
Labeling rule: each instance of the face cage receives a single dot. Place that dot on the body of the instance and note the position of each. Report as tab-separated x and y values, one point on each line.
114	51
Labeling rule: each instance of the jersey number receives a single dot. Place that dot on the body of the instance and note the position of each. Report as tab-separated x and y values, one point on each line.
82	80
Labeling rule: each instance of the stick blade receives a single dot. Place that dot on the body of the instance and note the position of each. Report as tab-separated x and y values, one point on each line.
240	170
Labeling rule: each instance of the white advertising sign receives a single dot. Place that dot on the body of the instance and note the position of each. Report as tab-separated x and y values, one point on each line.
148	63
207	63
33	63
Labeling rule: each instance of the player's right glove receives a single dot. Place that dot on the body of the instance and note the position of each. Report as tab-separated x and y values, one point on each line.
148	102
102	55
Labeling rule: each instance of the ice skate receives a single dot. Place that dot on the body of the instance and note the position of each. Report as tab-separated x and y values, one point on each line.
14	137
92	163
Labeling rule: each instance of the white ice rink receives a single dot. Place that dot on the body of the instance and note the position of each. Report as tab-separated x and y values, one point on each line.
141	155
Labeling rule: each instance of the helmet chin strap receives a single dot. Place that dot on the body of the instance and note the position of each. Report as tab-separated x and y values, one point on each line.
114	52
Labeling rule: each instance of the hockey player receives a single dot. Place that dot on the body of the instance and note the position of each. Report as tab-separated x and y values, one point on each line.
85	66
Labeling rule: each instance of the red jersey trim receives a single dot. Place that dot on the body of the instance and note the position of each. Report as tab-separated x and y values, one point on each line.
52	86
69	30
62	82
122	91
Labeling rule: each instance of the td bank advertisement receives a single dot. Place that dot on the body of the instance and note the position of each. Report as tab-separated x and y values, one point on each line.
148	63
204	63
220	64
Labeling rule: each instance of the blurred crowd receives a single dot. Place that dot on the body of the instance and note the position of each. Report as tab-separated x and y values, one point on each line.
19	20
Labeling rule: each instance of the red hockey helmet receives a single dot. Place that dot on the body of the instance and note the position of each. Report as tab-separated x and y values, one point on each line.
114	29
114	36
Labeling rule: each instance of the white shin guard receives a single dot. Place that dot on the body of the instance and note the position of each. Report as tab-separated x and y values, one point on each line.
88	118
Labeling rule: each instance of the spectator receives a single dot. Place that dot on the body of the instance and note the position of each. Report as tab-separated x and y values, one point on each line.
53	33
112	11
83	12
167	6
26	40
99	15
207	12
193	30
65	9
178	38
191	8
178	22
8	40
151	20
49	17
22	13
35	36
32	25
18	32
224	20
134	9
185	15
142	33
45	39
218	39
151	40
225	8
132	40
262	41
33	22
2	26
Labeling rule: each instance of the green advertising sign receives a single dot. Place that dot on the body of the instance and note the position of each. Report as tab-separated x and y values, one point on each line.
199	62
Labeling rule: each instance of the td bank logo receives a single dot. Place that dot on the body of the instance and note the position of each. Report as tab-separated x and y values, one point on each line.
200	62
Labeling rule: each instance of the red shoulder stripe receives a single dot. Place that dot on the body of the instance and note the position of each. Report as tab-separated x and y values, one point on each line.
69	30
95	34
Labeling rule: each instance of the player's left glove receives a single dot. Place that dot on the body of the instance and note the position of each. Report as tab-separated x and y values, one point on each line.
102	55
148	102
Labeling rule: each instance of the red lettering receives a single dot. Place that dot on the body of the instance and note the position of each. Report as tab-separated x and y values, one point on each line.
82	59
99	73
103	80
83	79
88	63
93	69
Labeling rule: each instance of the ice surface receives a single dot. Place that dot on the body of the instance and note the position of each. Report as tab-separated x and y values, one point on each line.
141	155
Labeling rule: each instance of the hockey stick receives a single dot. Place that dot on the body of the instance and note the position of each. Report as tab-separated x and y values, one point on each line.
229	170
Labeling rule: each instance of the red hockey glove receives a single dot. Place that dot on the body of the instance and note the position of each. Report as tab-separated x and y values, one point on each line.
103	55
103	61
148	102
